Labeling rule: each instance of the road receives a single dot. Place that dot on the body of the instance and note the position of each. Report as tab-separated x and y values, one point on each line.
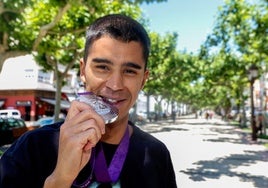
211	153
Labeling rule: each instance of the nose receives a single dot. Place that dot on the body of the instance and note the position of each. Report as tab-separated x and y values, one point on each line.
115	82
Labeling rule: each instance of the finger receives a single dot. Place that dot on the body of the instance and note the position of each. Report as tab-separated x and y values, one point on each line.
77	132
89	126
75	108
83	112
90	114
92	139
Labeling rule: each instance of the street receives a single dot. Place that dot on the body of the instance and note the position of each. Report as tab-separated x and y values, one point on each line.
211	153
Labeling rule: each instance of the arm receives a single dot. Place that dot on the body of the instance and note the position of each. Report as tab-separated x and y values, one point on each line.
80	132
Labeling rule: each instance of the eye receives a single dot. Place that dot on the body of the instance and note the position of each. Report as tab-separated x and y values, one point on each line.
102	67
130	72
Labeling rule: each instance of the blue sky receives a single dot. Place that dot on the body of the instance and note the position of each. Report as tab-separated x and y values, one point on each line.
192	19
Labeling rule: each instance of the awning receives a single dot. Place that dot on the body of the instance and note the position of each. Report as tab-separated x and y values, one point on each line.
63	104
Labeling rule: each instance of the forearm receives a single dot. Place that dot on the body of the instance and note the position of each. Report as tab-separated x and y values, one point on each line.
52	181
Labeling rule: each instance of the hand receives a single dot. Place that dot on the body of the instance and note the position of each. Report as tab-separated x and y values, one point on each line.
80	132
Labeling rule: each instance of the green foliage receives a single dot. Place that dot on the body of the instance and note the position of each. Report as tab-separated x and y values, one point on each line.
239	39
27	23
12	23
55	31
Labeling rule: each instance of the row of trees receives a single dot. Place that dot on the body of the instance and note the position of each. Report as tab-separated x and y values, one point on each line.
239	39
53	31
218	74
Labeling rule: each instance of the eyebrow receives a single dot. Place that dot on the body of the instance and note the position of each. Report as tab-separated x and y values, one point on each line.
132	65
127	64
101	60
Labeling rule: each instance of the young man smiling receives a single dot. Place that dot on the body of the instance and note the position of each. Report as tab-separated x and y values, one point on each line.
83	151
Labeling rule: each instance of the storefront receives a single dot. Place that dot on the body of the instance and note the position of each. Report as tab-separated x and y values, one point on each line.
32	104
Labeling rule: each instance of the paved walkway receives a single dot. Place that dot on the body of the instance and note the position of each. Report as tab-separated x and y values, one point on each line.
213	154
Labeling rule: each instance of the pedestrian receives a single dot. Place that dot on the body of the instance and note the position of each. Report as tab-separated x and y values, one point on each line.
207	115
83	151
259	124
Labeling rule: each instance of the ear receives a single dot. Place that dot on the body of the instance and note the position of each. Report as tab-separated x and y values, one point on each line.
145	77
82	70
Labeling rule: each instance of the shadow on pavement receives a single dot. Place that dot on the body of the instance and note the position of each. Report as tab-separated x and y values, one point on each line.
221	166
169	125
163	129
242	139
214	169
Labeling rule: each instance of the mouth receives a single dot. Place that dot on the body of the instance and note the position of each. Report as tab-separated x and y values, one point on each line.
112	101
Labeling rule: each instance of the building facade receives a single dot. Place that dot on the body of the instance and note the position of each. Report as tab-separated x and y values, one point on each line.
26	87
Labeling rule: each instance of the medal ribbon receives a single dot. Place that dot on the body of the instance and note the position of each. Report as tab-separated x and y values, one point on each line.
106	174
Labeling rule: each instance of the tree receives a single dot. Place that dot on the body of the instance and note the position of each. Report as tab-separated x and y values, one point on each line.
239	39
54	30
172	73
163	53
12	43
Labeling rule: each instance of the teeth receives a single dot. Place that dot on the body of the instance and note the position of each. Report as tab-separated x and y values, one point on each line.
112	100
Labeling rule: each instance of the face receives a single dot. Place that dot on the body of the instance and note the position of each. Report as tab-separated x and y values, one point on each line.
115	70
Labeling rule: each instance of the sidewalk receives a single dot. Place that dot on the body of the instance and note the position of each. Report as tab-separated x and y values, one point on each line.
211	153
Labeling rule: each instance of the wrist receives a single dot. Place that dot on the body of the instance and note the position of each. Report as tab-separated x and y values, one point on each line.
55	181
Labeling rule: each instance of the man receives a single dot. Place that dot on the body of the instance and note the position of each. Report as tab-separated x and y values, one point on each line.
83	151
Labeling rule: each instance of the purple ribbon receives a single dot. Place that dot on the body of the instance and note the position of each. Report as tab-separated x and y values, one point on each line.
89	179
106	174
103	173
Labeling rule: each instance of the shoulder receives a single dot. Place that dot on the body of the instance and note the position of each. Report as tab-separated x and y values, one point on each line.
141	139
31	158
40	140
148	163
48	132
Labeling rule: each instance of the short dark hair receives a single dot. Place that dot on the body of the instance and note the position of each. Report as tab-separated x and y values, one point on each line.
119	27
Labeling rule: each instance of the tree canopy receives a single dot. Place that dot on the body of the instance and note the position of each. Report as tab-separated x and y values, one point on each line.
239	39
54	32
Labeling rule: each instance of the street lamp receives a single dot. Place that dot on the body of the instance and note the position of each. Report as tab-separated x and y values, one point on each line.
252	75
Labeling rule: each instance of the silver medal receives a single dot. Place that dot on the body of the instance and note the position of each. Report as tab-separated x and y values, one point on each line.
103	107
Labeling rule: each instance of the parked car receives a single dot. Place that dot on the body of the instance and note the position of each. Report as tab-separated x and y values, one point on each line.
11	129
10	113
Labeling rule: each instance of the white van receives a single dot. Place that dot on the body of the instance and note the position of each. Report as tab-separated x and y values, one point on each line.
10	113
